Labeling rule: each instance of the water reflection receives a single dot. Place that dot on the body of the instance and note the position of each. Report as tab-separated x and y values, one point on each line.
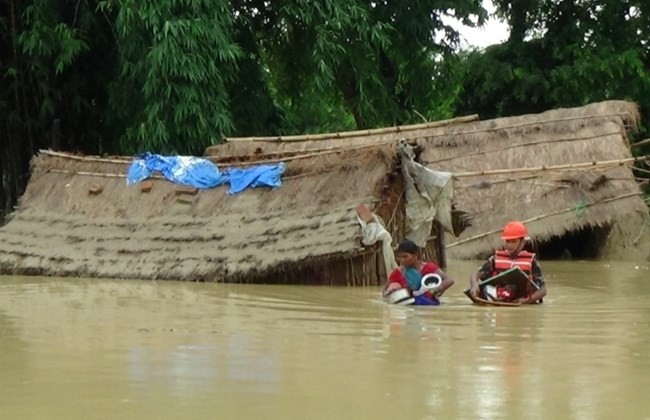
132	349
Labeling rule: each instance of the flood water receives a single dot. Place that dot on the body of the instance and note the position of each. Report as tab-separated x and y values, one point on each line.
109	349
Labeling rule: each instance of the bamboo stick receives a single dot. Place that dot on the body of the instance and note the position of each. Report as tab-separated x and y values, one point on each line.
534	122
643	227
499	181
220	165
227	164
635	168
544	216
217	158
61	171
304	174
421	126
297	157
641	143
514	146
489	184
356	133
553	167
394	212
83	158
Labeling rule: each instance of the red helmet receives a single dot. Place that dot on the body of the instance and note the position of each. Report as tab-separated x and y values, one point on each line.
514	230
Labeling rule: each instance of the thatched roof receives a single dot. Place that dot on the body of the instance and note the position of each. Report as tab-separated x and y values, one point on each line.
62	229
66	226
553	201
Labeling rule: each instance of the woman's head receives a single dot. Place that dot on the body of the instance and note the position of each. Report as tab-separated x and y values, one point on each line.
408	254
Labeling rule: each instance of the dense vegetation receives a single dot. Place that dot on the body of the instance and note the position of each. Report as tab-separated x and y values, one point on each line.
173	76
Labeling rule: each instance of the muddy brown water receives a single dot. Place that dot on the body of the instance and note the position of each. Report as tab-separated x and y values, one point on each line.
109	349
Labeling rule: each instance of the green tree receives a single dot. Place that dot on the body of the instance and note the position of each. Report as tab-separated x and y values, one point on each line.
46	87
378	59
177	58
561	53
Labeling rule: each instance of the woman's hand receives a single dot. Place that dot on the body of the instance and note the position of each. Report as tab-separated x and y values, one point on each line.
391	287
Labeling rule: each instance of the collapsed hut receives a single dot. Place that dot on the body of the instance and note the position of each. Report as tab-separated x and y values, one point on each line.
569	174
78	217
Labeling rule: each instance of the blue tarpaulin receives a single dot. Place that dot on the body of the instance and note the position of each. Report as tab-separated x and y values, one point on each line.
201	173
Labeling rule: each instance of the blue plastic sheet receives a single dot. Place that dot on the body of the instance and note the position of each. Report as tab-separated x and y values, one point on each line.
201	173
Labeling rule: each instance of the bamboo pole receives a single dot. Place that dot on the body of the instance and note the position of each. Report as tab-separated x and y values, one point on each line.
61	171
422	126
83	158
514	146
641	231
641	143
635	168
533	122
394	212
302	156
218	158
491	183
553	167
544	216
222	164
357	133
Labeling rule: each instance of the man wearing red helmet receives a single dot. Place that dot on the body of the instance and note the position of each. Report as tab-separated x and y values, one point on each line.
515	235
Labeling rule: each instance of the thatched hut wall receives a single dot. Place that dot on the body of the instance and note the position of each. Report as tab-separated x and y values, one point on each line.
304	232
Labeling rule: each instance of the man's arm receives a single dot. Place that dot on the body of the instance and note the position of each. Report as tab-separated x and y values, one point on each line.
538	279
483	273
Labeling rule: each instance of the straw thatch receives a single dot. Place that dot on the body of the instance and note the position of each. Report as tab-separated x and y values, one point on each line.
78	218
560	198
536	168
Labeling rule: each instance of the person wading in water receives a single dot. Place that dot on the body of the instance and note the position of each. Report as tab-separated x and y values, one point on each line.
410	273
515	235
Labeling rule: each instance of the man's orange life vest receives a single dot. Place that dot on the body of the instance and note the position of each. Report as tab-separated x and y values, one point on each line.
503	261
524	260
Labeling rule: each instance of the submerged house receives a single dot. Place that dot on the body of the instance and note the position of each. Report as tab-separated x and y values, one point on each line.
78	217
567	173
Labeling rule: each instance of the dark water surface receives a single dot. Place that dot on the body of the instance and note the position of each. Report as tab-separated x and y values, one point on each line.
108	349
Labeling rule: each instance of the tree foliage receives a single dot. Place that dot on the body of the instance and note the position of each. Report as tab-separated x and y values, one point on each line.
176	61
377	59
559	54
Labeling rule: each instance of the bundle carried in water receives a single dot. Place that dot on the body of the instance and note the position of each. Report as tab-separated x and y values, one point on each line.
503	288
400	297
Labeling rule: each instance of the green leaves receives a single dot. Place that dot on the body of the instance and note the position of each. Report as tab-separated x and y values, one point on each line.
174	76
178	59
45	38
561	54
376	58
